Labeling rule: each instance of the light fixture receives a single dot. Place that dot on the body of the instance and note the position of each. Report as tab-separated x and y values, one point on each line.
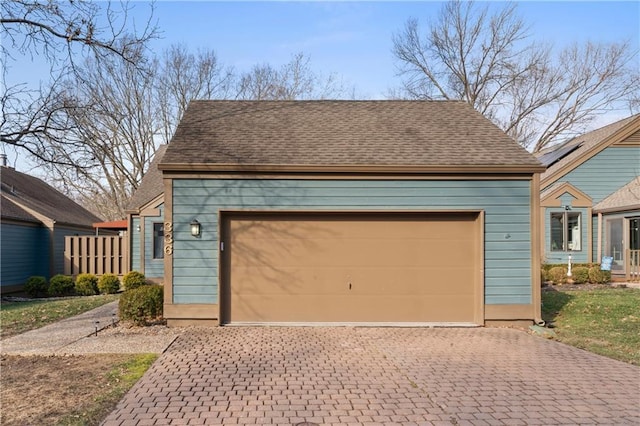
195	228
138	227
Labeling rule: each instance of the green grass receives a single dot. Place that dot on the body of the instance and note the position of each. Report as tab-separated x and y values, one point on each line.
121	378
18	317
603	321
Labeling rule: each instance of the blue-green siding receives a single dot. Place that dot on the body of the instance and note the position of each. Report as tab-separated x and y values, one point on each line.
598	177
506	205
153	268
25	252
605	173
135	244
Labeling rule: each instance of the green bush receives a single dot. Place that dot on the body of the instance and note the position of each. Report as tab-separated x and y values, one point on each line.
544	275
141	304
558	274
598	276
109	284
36	286
547	266
580	274
86	284
133	280
60	285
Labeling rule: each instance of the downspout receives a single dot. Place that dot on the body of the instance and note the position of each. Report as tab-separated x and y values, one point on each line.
536	250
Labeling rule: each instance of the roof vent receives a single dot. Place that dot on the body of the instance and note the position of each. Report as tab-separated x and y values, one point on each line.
3	160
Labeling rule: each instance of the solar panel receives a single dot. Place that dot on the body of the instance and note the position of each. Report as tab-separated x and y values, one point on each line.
553	157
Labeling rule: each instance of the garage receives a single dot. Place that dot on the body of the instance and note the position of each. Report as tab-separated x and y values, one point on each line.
348	212
352	268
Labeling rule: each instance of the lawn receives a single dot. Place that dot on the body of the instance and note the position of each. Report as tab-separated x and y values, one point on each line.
604	321
62	390
66	390
18	317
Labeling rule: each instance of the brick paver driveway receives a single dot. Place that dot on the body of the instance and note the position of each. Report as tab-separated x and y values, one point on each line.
342	375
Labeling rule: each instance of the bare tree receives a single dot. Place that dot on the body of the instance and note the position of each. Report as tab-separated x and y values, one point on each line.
119	112
633	100
183	76
59	33
112	113
488	60
293	80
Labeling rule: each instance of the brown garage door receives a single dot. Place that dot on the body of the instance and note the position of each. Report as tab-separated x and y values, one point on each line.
352	268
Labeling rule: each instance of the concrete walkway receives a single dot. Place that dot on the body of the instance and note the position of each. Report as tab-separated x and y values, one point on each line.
53	338
77	336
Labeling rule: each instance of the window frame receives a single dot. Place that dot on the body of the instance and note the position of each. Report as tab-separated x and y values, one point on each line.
158	234
565	215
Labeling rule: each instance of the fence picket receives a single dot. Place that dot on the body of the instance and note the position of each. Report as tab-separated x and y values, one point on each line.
96	255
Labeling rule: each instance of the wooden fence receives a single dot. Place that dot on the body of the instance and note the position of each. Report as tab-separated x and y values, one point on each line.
633	266
96	255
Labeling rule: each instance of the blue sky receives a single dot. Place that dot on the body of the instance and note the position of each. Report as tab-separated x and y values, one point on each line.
354	39
351	39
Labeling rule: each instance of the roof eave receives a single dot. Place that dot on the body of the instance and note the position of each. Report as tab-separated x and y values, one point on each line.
616	209
382	169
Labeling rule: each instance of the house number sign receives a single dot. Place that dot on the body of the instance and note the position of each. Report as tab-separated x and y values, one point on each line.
168	238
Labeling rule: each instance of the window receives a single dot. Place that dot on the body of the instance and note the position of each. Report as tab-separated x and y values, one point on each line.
158	241
566	231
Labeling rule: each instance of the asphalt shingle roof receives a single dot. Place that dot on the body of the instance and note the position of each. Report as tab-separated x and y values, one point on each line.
626	198
341	133
23	190
151	185
11	210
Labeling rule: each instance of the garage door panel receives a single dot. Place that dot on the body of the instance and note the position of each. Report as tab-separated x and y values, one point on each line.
352	268
299	308
372	280
349	252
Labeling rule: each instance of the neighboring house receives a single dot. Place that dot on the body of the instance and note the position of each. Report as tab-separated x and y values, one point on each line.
35	220
145	213
343	212
590	197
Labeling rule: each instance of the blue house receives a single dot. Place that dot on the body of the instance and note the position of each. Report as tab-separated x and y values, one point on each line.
145	215
590	196
385	212
35	220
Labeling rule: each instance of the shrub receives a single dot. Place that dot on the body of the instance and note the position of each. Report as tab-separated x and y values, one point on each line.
36	286
133	280
60	285
580	274
558	274
598	276
544	275
109	284
86	284
141	304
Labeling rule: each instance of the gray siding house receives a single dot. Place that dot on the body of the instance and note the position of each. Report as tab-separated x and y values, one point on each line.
590	196
35	220
349	212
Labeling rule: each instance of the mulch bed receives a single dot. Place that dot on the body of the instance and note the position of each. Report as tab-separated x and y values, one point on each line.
580	287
